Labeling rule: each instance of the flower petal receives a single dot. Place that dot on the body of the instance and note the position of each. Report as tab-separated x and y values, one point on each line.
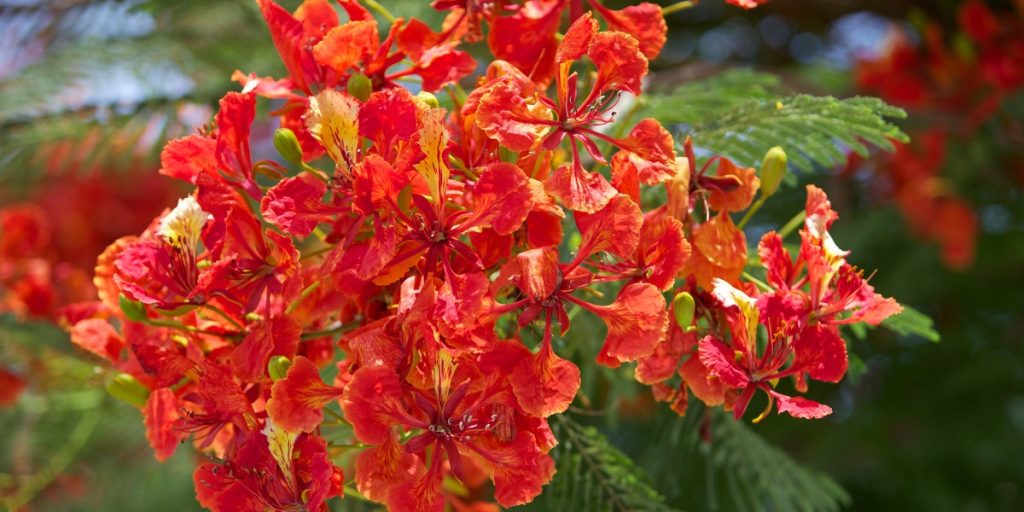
297	401
720	362
545	384
637	321
159	414
615	228
800	407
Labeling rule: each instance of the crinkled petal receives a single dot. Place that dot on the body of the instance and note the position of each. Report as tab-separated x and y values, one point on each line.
720	362
580	190
545	384
800	407
297	401
159	414
637	322
614	229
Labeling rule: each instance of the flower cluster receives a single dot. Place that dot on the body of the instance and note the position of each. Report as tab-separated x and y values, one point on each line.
404	250
960	81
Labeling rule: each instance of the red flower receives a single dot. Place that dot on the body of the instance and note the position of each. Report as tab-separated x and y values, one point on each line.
742	366
466	415
521	119
222	154
271	470
838	294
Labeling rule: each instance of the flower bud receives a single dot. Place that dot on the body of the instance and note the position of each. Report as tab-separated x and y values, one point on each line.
428	99
133	310
683	307
773	168
127	389
278	367
288	145
360	86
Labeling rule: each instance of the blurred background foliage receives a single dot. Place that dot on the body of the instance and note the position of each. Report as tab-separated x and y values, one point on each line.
90	90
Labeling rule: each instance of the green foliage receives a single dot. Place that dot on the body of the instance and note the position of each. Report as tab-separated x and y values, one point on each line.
66	445
742	114
45	88
701	100
707	461
109	96
594	475
912	322
760	476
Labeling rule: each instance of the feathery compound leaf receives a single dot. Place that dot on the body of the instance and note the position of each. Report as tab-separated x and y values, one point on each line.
78	142
760	476
741	114
810	128
911	322
593	475
701	100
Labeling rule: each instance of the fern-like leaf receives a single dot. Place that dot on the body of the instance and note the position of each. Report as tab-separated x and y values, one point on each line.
760	476
701	100
911	322
595	476
742	114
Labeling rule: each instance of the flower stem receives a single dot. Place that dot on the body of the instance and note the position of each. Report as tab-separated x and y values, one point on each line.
678	6
336	417
760	284
225	316
380	9
316	252
793	223
302	296
752	210
327	332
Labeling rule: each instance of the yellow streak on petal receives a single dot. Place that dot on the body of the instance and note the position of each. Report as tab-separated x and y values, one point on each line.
333	119
281	444
731	296
433	140
182	226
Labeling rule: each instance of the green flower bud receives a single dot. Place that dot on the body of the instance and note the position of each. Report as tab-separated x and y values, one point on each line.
773	168
683	307
360	86
278	367
133	310
125	388
288	146
429	99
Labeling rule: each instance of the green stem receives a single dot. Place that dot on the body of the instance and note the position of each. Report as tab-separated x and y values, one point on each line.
380	9
315	172
195	330
336	417
760	284
302	296
225	316
316	252
793	223
752	210
328	332
346	446
678	6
